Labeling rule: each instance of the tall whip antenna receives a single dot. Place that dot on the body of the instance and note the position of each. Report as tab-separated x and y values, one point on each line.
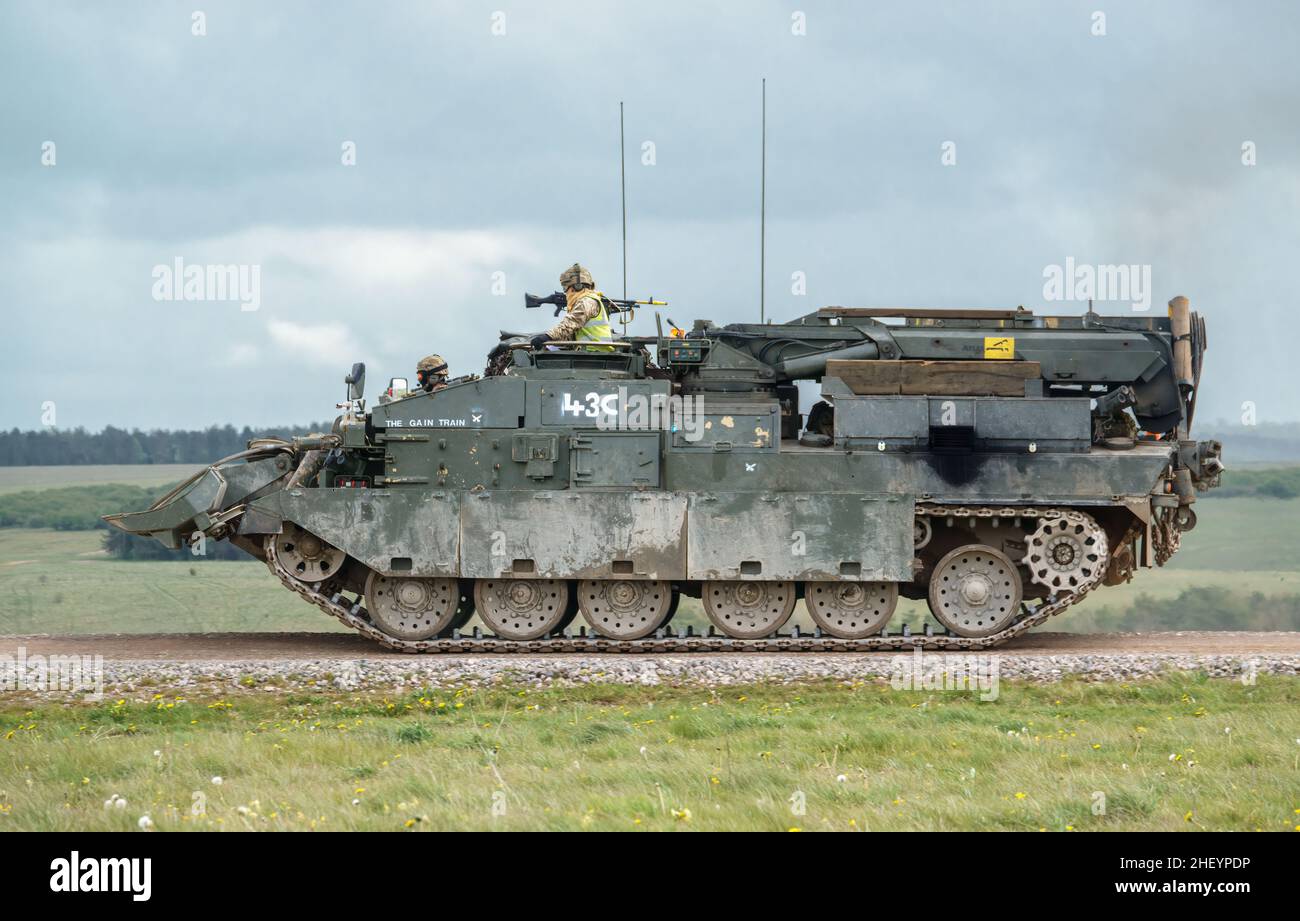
762	219
622	173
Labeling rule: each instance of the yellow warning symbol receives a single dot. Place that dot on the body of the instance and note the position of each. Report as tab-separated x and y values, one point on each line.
999	347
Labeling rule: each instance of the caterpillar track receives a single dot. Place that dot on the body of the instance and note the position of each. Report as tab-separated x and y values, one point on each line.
353	614
999	464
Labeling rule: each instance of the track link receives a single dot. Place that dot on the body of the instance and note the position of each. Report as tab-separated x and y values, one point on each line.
352	614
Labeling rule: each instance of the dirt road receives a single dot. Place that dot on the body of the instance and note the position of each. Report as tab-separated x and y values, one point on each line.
227	647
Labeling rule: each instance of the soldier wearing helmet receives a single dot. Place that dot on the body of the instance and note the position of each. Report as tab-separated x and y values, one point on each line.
431	372
585	318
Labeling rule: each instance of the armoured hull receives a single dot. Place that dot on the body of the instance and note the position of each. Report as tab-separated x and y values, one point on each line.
1001	489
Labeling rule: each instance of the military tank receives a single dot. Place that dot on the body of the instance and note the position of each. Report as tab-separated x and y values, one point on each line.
999	464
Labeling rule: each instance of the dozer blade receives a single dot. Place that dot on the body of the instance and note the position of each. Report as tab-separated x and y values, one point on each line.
200	503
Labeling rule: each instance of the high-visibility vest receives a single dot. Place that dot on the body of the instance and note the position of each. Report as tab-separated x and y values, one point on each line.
597	329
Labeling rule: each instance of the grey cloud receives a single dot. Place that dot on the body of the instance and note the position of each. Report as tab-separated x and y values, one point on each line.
1117	149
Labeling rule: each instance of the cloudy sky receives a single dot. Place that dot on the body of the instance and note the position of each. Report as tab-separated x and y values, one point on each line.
486	141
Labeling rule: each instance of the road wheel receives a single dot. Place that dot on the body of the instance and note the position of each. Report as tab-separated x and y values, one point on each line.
975	591
411	608
625	609
851	610
521	609
749	610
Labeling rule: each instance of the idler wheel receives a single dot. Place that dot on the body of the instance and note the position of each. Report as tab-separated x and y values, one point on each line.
306	556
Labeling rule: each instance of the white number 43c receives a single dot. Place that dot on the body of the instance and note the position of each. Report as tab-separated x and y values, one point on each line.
591	405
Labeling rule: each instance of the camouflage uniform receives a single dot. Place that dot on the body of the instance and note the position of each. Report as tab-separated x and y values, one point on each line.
585	310
433	370
579	313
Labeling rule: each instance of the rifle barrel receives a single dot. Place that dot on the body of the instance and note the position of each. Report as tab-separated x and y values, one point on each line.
559	301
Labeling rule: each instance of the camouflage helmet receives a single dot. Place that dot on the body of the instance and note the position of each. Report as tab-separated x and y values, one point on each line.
575	275
434	364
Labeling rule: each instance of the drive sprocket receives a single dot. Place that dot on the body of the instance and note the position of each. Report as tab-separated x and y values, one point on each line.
1067	553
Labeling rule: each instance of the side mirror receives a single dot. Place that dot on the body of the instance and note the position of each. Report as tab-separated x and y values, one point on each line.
356	381
398	386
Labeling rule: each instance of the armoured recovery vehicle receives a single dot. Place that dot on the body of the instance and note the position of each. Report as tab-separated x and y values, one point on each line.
997	463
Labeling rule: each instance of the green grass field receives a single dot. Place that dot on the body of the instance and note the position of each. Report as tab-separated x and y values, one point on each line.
1180	753
61	582
21	479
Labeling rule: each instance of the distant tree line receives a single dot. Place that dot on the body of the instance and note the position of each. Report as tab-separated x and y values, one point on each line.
1200	607
78	508
120	446
1268	443
73	508
1266	483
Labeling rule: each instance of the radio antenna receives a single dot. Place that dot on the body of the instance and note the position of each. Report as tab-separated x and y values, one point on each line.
622	175
762	217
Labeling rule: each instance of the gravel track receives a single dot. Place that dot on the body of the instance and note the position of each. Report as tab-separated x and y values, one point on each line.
268	662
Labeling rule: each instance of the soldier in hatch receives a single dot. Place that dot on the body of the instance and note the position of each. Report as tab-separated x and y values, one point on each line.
585	319
431	372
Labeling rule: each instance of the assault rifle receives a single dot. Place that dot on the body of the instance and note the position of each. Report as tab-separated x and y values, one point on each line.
612	304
